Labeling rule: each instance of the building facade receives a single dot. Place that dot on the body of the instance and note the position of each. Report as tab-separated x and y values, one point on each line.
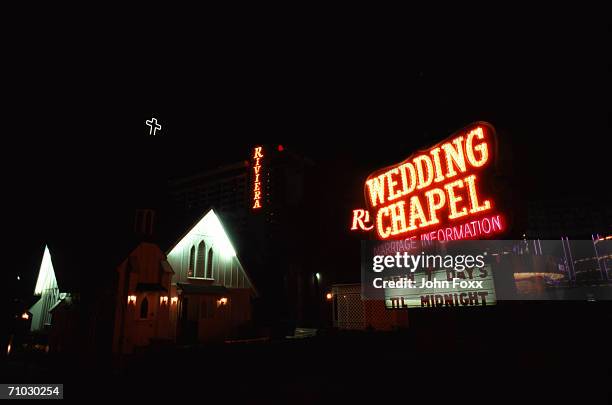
197	292
261	200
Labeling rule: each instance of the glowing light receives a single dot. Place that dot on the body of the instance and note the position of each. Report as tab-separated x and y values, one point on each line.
550	276
222	301
454	156
398	218
423	181
174	300
403	199
163	300
416	212
426	168
472	229
453	199
131	299
25	316
360	218
211	230
392	183
281	148
257	158
435	153
383	232
486	205
329	296
433	206
46	275
481	147
318	276
406	186
377	190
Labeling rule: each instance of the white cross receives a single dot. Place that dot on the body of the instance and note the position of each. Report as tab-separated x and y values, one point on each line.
153	126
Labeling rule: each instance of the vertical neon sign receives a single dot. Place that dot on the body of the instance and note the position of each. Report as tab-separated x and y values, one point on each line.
257	158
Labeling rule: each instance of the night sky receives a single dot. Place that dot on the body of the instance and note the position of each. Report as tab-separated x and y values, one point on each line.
77	150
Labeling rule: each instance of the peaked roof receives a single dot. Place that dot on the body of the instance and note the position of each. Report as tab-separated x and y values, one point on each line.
46	275
209	224
85	262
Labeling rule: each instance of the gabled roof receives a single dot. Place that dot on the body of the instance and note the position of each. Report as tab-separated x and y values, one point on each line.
46	274
210	224
84	260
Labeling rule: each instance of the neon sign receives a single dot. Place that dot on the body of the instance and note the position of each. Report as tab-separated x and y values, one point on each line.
257	158
436	194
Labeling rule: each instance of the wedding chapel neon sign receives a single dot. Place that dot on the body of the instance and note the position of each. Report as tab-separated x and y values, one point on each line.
435	194
257	160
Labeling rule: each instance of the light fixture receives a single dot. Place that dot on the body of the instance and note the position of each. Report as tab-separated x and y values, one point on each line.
329	296
25	316
131	299
163	300
174	300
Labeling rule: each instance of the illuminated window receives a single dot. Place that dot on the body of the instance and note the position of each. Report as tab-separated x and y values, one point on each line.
191	262
209	265
144	308
200	264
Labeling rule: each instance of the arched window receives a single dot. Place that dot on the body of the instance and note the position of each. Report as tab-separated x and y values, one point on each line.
191	262
144	308
200	262
209	265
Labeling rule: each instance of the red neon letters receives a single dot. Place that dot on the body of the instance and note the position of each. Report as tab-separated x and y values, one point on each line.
435	189
257	157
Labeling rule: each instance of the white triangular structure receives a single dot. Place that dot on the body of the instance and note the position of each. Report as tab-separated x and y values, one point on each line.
46	275
47	289
208	233
209	227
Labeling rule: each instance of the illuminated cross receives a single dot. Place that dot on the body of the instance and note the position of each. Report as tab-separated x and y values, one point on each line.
153	126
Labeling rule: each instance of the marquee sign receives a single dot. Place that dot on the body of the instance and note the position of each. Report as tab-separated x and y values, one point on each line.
449	292
435	194
257	161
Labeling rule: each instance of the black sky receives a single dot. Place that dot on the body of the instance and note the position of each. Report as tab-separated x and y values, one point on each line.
77	150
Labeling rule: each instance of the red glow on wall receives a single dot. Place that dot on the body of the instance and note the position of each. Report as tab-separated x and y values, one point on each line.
281	148
438	189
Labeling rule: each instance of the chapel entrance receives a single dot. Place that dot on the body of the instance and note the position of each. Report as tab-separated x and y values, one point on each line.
188	322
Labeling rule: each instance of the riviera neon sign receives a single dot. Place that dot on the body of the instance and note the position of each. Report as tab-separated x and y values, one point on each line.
436	192
257	158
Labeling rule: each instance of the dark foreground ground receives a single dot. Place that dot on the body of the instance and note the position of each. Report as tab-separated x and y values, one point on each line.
535	359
